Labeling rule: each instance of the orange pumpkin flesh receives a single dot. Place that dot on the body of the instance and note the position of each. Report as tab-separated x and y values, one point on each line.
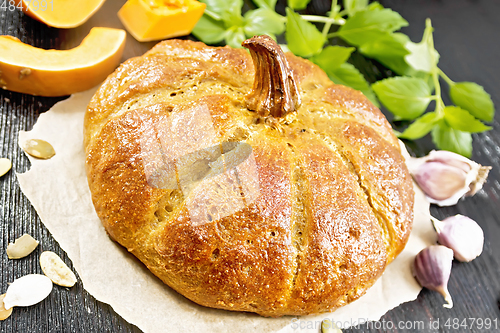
160	19
35	71
60	13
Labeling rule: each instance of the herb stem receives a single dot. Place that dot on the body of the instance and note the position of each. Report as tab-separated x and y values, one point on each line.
343	13
435	73
332	35
445	77
212	14
323	19
328	25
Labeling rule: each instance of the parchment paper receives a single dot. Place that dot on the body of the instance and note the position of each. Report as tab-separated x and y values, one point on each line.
58	190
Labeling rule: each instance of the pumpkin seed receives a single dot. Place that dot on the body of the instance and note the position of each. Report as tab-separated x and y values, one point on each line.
5	166
39	148
27	290
21	247
24	72
328	326
56	269
4	313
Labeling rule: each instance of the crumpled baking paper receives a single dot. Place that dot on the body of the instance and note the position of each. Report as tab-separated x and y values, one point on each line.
58	190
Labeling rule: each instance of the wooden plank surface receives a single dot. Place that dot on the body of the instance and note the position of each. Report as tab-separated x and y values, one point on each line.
467	35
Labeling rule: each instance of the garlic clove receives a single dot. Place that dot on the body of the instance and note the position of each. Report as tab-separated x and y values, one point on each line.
27	290
21	247
451	159
440	181
432	269
445	177
461	234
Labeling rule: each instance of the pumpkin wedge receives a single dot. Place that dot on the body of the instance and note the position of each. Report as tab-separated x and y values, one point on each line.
60	13
35	71
160	19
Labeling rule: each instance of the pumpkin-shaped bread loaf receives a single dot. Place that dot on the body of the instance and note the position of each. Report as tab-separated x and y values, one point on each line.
247	181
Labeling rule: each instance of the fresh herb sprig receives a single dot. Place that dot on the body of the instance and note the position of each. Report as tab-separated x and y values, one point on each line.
408	97
370	29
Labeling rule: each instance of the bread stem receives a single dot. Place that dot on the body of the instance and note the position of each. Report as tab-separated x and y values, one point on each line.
274	91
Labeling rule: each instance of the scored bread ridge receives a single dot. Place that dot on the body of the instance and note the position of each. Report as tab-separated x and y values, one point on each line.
335	202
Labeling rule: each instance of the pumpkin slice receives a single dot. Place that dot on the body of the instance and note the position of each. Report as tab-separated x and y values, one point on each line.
35	71
160	19
60	13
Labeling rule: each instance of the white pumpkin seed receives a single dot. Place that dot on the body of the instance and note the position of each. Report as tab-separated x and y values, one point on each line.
4	313
39	148
27	290
328	326
56	269
21	247
5	166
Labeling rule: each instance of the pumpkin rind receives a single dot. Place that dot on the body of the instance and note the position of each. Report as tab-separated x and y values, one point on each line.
35	71
62	14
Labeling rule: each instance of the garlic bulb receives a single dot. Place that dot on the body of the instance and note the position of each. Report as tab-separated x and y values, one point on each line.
461	234
432	268
445	177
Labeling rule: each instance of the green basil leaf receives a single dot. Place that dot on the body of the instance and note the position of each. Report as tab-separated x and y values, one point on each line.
209	30
350	76
406	97
375	6
229	11
263	21
270	4
371	96
303	38
235	37
389	50
462	120
420	127
216	6
232	14
447	138
298	4
427	77
423	56
368	25
353	6
332	57
472	97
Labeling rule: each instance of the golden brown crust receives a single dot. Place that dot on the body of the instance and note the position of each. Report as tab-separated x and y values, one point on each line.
343	252
317	205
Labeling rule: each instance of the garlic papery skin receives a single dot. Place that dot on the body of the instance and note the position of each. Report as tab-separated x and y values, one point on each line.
445	177
461	234
432	268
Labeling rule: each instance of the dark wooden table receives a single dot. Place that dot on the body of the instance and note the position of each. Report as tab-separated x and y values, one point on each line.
467	35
